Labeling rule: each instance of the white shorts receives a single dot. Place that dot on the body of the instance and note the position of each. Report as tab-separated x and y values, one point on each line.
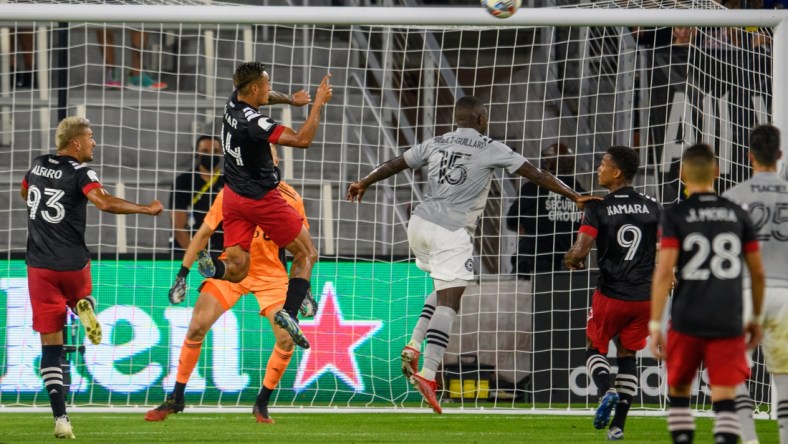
445	255
775	328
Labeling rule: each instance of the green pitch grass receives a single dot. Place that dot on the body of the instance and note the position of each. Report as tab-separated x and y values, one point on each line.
345	428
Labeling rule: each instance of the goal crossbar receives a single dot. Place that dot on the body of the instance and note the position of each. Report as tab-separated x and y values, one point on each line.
388	16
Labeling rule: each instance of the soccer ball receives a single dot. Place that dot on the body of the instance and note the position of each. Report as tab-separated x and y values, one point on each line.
502	8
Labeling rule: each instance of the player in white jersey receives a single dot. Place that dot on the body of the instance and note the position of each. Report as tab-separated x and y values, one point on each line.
460	167
765	197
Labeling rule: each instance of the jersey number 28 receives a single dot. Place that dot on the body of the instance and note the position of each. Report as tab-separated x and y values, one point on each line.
724	250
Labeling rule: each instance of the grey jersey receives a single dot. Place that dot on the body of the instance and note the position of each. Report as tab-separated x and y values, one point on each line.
765	197
461	165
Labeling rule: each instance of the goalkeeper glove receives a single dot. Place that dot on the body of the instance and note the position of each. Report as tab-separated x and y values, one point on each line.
178	289
309	306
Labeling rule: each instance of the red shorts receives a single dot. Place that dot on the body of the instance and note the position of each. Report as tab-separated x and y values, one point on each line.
51	291
278	220
611	317
724	358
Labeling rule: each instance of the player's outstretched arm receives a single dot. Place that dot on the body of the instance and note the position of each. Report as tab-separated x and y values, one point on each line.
383	171
303	137
111	204
546	180
753	326
298	98
660	289
575	258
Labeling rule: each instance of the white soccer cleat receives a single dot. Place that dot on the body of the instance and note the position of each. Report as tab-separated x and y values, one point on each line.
63	428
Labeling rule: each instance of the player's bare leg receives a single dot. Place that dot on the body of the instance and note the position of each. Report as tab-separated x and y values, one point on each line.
438	331
304	257
52	374
207	311
277	364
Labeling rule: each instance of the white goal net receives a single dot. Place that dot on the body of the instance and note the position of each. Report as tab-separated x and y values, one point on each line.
520	338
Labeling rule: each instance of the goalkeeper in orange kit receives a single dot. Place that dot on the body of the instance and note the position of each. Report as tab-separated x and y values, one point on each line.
267	280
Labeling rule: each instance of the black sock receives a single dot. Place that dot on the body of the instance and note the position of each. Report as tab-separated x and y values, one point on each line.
221	269
178	391
52	374
600	370
264	396
726	422
627	387
296	292
681	424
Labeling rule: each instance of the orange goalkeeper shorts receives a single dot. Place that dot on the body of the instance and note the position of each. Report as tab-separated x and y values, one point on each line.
268	295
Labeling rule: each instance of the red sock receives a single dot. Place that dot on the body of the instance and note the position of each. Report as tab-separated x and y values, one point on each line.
190	354
277	364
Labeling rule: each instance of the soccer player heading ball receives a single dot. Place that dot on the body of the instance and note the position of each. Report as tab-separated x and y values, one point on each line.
251	197
461	164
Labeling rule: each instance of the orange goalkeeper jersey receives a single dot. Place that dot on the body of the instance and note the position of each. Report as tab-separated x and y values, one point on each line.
266	266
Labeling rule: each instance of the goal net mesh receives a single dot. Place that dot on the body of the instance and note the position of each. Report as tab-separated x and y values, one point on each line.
520	338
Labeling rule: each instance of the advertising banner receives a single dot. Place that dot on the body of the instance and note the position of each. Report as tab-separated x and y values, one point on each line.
366	313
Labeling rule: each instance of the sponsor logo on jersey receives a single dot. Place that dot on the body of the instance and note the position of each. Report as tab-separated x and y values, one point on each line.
469	264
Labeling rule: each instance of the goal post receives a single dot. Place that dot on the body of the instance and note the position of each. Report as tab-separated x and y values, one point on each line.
587	76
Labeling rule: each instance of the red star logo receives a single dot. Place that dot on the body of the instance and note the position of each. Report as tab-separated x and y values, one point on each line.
333	341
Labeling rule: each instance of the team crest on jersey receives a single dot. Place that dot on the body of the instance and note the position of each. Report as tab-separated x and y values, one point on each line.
469	264
93	176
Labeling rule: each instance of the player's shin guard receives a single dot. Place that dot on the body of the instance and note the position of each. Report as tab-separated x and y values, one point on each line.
296	292
52	374
781	381
681	424
421	325
437	340
726	422
190	354
599	369
627	388
745	408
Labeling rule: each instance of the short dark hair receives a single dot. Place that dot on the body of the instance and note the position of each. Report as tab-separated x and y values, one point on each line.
246	73
698	163
626	159
468	106
765	144
205	137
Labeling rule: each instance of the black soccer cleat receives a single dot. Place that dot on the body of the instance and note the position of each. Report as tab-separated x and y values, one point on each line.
261	414
283	319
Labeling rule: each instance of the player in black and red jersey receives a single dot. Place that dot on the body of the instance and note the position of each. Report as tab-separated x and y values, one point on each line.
624	227
57	189
251	198
709	238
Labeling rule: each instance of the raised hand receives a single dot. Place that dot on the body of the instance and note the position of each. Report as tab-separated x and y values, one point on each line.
155	208
300	98
324	92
